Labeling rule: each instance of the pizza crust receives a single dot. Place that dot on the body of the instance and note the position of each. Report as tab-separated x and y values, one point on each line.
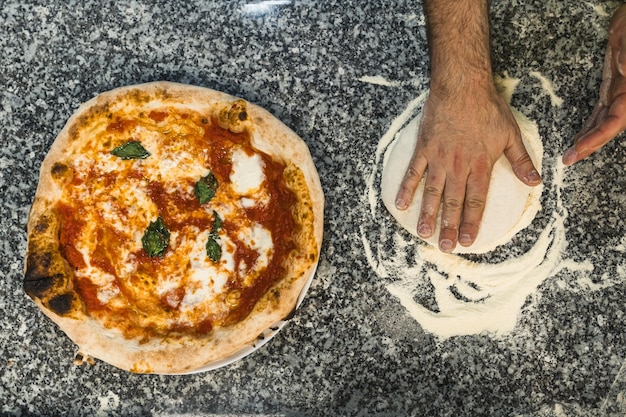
48	275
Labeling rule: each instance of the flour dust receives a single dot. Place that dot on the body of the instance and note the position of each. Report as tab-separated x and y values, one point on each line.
450	295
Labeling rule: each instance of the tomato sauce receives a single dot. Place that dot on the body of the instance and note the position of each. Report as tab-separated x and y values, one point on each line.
121	125
71	226
158	116
89	294
105	254
180	211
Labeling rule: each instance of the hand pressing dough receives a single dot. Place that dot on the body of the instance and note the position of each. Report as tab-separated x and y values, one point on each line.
511	205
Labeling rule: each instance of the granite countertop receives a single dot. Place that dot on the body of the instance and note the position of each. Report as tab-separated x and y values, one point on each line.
341	75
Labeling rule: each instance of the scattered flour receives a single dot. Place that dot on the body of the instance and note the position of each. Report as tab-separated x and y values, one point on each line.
470	297
377	80
599	9
380	80
546	84
108	403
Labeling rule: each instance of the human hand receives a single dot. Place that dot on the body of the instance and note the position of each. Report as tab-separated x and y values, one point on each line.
459	140
608	118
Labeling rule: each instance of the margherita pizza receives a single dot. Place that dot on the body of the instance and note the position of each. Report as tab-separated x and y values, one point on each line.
171	226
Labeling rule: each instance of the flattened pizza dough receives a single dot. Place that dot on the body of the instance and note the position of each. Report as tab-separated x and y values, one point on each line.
510	206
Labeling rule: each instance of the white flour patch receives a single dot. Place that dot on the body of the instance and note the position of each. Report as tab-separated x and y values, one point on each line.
449	295
546	84
506	85
598	8
108	403
418	19
380	80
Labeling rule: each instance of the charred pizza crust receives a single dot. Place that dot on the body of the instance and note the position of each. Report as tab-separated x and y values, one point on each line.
50	274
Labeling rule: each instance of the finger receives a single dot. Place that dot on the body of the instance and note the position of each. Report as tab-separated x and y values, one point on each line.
607	73
610	127
431	199
573	154
453	199
475	199
599	110
521	164
411	180
618	16
620	59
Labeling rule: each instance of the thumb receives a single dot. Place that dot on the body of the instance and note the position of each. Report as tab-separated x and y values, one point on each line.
522	165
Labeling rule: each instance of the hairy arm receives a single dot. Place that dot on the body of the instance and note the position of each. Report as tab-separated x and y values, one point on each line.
458	42
465	126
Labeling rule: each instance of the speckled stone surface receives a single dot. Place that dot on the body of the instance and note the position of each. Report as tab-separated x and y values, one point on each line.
351	349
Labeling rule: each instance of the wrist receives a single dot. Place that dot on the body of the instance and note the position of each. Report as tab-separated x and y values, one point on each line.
463	87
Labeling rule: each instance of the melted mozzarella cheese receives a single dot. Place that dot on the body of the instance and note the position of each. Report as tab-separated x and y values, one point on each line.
261	198
105	163
138	208
258	239
106	294
167	164
207	278
105	283
247	174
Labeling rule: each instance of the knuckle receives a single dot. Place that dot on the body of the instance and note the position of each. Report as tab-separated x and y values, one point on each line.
412	174
404	189
432	191
459	164
469	227
522	159
453	204
474	203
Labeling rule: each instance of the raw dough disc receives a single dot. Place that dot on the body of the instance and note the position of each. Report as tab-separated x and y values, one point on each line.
511	205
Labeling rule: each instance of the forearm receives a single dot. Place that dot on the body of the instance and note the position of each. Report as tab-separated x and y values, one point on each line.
459	45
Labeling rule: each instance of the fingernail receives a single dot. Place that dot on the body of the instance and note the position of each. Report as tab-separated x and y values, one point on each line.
424	230
533	176
445	245
401	203
569	157
465	239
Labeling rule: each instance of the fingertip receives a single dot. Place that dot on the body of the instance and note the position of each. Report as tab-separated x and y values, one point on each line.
424	230
465	239
401	203
570	157
533	177
524	168
446	245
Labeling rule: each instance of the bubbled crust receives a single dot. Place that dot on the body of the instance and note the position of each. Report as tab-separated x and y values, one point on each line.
48	276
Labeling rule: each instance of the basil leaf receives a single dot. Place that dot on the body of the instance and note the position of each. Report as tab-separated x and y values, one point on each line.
156	238
213	249
217	224
205	188
131	150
